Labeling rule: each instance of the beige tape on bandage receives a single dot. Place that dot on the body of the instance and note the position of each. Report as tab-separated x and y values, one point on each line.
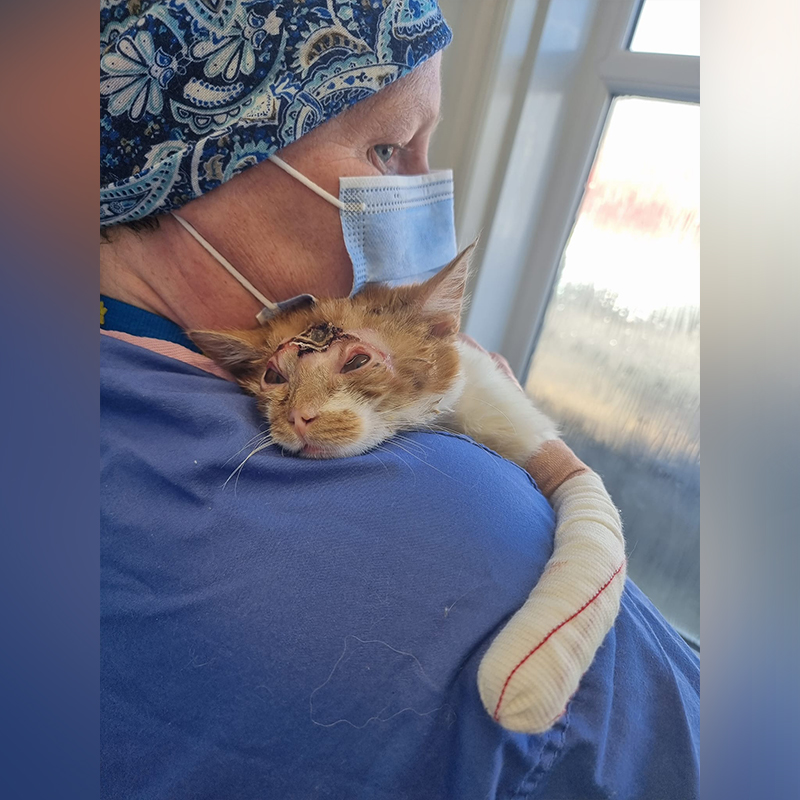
553	464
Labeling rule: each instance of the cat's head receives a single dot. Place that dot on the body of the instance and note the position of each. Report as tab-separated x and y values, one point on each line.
340	377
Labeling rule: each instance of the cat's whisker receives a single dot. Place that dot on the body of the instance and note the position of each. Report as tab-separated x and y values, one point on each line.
238	470
499	411
412	454
397	455
401	422
427	464
414	402
411	443
423	451
253	440
423	427
375	455
262	446
262	431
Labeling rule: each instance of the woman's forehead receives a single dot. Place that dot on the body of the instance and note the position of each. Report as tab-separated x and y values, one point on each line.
412	101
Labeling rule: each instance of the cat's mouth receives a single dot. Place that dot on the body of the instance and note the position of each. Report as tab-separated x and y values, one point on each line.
315	451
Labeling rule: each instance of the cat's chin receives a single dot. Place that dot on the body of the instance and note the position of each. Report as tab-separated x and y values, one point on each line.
320	452
315	451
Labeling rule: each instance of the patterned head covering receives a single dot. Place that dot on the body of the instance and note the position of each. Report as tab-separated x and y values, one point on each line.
194	91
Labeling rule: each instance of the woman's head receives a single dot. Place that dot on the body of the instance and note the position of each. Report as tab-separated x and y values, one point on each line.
195	101
194	93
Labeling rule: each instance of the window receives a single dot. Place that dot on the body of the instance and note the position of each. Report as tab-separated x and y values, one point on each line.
576	161
617	361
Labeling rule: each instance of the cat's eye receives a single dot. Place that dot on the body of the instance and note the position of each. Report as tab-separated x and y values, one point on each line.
384	152
273	376
356	362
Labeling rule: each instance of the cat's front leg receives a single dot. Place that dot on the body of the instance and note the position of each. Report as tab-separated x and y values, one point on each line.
492	409
536	662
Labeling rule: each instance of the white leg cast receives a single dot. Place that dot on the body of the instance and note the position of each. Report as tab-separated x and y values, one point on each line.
535	664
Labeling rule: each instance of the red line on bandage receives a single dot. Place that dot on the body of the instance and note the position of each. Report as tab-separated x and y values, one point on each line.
557	628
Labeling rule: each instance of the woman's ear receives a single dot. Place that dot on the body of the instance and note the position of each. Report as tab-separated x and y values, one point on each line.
236	351
441	298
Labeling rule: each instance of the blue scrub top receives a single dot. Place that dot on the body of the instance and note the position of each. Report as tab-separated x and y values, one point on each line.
314	628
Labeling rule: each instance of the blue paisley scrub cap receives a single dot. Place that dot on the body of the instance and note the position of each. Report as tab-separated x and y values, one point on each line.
195	91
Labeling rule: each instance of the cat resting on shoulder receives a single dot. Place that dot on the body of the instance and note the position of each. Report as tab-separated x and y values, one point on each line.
342	376
338	378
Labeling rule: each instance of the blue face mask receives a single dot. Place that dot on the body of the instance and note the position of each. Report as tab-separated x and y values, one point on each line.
398	230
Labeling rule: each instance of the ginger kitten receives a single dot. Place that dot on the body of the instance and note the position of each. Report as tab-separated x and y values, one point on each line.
338	378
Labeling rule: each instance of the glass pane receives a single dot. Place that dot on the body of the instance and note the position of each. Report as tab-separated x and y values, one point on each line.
617	362
668	26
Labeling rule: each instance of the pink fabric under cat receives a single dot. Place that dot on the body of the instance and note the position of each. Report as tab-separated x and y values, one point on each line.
172	350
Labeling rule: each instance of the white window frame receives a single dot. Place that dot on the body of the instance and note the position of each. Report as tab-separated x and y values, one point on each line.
521	184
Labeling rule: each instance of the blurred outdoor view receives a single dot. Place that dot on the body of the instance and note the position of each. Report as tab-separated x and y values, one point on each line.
617	362
668	26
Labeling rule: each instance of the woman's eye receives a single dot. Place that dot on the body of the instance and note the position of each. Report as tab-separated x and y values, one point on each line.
384	152
356	362
273	376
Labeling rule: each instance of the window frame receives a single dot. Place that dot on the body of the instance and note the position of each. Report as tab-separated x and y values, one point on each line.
578	53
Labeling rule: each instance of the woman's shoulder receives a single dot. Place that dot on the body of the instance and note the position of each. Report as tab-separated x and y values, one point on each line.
160	410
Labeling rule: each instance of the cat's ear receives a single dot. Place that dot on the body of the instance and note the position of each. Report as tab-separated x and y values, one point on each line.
441	298
236	351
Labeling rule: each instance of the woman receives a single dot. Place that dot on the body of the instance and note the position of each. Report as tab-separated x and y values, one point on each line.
316	630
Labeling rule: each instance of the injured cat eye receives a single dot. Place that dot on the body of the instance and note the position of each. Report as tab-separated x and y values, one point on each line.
273	376
356	362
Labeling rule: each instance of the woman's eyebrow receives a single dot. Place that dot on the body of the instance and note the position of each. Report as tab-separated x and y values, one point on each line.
417	118
409	119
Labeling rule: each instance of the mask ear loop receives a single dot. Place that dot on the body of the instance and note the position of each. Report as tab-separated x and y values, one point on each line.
279	162
273	307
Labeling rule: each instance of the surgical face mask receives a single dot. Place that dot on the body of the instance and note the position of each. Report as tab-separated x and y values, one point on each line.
398	230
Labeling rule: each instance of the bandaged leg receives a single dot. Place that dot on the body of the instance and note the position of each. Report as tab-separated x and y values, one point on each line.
535	664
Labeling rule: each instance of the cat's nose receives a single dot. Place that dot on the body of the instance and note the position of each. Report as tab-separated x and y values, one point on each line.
301	418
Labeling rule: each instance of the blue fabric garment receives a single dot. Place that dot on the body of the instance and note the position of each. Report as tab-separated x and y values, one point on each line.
194	91
118	316
314	630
